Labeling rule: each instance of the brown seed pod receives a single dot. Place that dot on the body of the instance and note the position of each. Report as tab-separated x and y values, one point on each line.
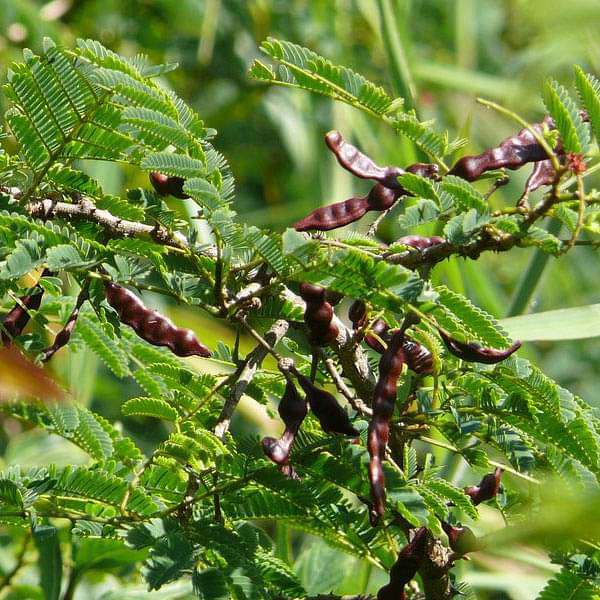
384	401
418	358
474	352
292	410
18	317
406	566
150	325
332	417
382	196
318	315
512	153
487	489
461	539
166	185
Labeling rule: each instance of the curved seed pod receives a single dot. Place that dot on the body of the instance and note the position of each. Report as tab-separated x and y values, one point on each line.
406	566
474	352
150	325
512	153
487	489
332	417
384	401
418	358
419	242
461	539
318	314
18	317
382	196
292	410
166	185
359	164
334	215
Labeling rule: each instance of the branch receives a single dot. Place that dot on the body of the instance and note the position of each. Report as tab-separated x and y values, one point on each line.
252	364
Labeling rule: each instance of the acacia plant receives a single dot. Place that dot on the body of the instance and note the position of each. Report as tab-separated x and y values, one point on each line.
373	363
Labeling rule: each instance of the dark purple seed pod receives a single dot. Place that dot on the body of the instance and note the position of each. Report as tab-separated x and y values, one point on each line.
406	566
381	329
332	417
487	489
359	164
461	539
334	215
292	407
166	185
474	352
381	198
292	410
384	401
512	153
418	358
16	320
150	325
318	315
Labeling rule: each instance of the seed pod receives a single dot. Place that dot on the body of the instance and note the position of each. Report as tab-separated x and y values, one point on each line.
474	352
384	401
461	539
292	410
334	216
418	358
332	417
166	185
419	242
18	317
357	163
150	325
382	196
487	489
318	315
512	153
406	566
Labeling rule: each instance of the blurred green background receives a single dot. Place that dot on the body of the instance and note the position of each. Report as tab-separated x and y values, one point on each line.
440	56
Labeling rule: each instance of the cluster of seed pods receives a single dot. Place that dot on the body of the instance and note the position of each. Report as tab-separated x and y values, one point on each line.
383	194
418	358
150	325
293	410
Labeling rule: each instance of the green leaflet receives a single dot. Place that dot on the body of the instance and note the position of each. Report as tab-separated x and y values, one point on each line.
149	407
304	68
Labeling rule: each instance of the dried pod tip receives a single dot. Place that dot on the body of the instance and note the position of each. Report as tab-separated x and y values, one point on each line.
357	313
461	539
166	185
487	489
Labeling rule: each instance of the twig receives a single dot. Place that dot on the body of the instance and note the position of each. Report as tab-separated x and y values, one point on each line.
63	336
252	364
357	404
